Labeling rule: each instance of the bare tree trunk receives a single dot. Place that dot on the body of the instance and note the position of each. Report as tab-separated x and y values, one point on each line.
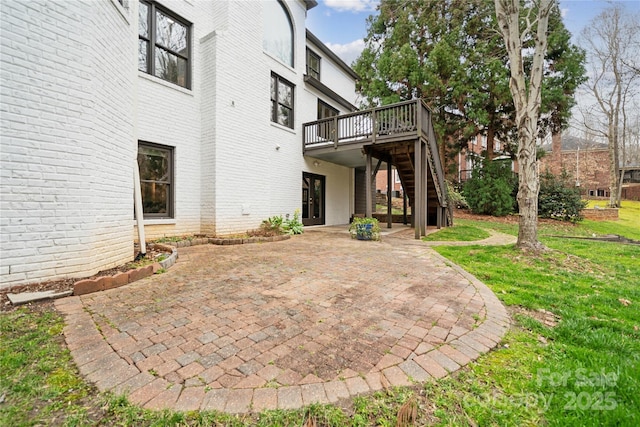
527	100
556	154
491	136
529	185
619	195
612	38
622	162
613	164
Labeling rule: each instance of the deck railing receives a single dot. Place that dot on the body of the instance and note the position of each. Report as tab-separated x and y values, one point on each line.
361	126
407	120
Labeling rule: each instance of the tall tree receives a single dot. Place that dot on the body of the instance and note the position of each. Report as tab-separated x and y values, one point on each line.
449	53
526	91
440	51
612	40
564	72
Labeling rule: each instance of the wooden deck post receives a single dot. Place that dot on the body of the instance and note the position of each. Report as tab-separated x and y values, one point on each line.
334	130
416	212
368	210
389	193
425	190
404	206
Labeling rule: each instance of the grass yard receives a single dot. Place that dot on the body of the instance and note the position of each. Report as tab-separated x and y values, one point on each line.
628	223
583	371
39	382
463	233
572	357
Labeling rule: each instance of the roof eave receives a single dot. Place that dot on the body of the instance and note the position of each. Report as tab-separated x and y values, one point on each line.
329	53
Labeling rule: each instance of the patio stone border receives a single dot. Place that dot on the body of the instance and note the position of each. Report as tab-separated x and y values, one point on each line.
97	284
246	240
87	286
228	240
92	349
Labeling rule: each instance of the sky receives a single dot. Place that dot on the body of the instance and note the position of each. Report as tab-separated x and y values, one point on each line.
342	24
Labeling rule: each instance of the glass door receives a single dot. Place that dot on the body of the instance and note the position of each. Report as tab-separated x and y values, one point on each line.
313	199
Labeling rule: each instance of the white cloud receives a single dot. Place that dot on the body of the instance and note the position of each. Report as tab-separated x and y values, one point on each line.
352	5
563	12
347	52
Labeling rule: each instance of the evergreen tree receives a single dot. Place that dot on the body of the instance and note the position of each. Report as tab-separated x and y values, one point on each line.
490	190
449	53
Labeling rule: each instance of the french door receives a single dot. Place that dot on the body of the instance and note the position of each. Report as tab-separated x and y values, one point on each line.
313	199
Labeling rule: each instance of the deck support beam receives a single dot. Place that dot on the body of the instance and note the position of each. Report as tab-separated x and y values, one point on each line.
404	206
389	193
368	183
425	190
418	204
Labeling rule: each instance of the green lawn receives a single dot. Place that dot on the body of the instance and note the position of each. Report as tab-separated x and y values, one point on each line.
459	232
382	209
39	382
627	225
584	371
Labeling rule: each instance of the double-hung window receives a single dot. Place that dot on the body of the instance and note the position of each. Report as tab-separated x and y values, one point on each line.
313	64
281	101
163	44
156	179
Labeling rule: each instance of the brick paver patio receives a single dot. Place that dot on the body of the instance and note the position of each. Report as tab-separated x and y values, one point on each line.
316	318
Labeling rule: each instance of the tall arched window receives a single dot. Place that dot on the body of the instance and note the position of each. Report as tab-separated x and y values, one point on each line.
278	32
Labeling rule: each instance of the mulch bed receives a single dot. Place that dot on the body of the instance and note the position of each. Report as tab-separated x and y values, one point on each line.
509	219
62	285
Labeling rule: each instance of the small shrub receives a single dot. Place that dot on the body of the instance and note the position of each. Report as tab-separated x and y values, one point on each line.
293	225
272	226
558	199
490	189
365	229
456	198
276	225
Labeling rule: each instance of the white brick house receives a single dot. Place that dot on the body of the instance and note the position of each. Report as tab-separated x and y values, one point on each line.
185	87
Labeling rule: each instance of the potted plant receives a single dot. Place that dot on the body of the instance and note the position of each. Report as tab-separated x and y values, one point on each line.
365	229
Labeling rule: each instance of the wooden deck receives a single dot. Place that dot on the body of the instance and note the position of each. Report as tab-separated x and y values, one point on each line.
383	124
393	134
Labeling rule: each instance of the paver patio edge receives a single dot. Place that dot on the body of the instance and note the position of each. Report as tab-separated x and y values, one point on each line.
89	346
497	320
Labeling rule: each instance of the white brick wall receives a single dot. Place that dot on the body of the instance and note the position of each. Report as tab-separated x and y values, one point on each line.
74	107
250	170
66	120
170	115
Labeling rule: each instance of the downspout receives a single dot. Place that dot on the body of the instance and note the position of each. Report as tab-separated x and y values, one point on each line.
137	196
137	189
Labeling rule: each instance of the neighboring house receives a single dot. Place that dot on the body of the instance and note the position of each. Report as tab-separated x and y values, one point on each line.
473	153
587	166
382	184
207	98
